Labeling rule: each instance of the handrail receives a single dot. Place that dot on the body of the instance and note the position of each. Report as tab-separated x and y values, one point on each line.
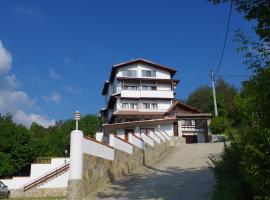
45	177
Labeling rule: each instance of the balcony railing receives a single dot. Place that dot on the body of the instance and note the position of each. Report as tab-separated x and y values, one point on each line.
147	93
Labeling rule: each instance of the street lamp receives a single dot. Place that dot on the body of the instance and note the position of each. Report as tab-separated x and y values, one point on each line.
77	117
66	151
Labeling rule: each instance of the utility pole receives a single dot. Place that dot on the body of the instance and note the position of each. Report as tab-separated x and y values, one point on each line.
214	92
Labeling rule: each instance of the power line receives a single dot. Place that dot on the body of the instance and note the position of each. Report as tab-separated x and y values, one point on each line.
225	39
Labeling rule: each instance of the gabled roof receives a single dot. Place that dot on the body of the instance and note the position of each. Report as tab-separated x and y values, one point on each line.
188	107
140	60
105	87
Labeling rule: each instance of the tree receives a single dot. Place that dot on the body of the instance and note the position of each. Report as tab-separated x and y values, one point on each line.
202	98
20	146
253	107
256	11
219	125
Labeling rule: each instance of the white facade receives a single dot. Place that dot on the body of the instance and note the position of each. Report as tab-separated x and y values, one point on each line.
139	86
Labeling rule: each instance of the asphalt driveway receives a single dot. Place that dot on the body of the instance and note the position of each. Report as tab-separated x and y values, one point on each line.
182	173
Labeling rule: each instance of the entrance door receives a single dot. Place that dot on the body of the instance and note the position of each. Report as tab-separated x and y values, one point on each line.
127	131
175	129
191	139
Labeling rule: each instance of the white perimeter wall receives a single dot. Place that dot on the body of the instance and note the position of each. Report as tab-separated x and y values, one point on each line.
97	149
168	128
154	137
61	181
136	141
160	135
37	170
120	144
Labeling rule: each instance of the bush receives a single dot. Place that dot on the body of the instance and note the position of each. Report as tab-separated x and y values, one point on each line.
219	125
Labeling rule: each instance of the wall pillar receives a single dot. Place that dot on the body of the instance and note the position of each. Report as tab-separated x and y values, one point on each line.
75	182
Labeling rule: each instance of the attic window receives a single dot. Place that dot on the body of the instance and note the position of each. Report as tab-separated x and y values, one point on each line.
129	73
148	73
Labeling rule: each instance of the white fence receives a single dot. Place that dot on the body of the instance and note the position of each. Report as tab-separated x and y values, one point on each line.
119	143
97	149
160	136
165	134
136	141
154	137
148	140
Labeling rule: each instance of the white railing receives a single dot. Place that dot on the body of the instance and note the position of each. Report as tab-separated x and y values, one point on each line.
147	93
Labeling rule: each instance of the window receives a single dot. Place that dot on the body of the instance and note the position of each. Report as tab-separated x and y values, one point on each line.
129	73
148	73
154	105
146	105
133	106
125	105
146	130
127	87
149	87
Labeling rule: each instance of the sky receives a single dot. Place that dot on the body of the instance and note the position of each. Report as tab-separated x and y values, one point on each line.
56	55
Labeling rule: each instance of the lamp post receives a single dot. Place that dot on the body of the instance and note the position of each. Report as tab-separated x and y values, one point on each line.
66	151
77	117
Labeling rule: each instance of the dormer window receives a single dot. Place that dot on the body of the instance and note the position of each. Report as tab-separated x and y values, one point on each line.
148	73
129	73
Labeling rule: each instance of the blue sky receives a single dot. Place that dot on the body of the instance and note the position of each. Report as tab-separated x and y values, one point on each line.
61	52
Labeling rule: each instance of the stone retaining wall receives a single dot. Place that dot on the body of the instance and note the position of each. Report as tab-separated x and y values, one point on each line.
98	171
39	192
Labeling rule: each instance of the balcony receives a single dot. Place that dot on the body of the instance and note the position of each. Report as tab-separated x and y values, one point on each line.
166	94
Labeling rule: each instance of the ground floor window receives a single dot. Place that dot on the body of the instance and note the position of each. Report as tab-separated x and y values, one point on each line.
146	130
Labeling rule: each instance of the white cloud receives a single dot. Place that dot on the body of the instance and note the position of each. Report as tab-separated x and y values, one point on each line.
8	82
54	97
11	101
27	119
5	60
32	12
14	101
73	90
53	74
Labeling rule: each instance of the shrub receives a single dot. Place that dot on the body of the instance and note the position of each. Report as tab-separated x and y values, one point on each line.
219	125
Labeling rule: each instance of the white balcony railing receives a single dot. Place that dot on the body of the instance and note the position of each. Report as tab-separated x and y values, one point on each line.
147	93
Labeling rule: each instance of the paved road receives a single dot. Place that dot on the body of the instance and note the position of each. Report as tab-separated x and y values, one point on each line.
182	173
